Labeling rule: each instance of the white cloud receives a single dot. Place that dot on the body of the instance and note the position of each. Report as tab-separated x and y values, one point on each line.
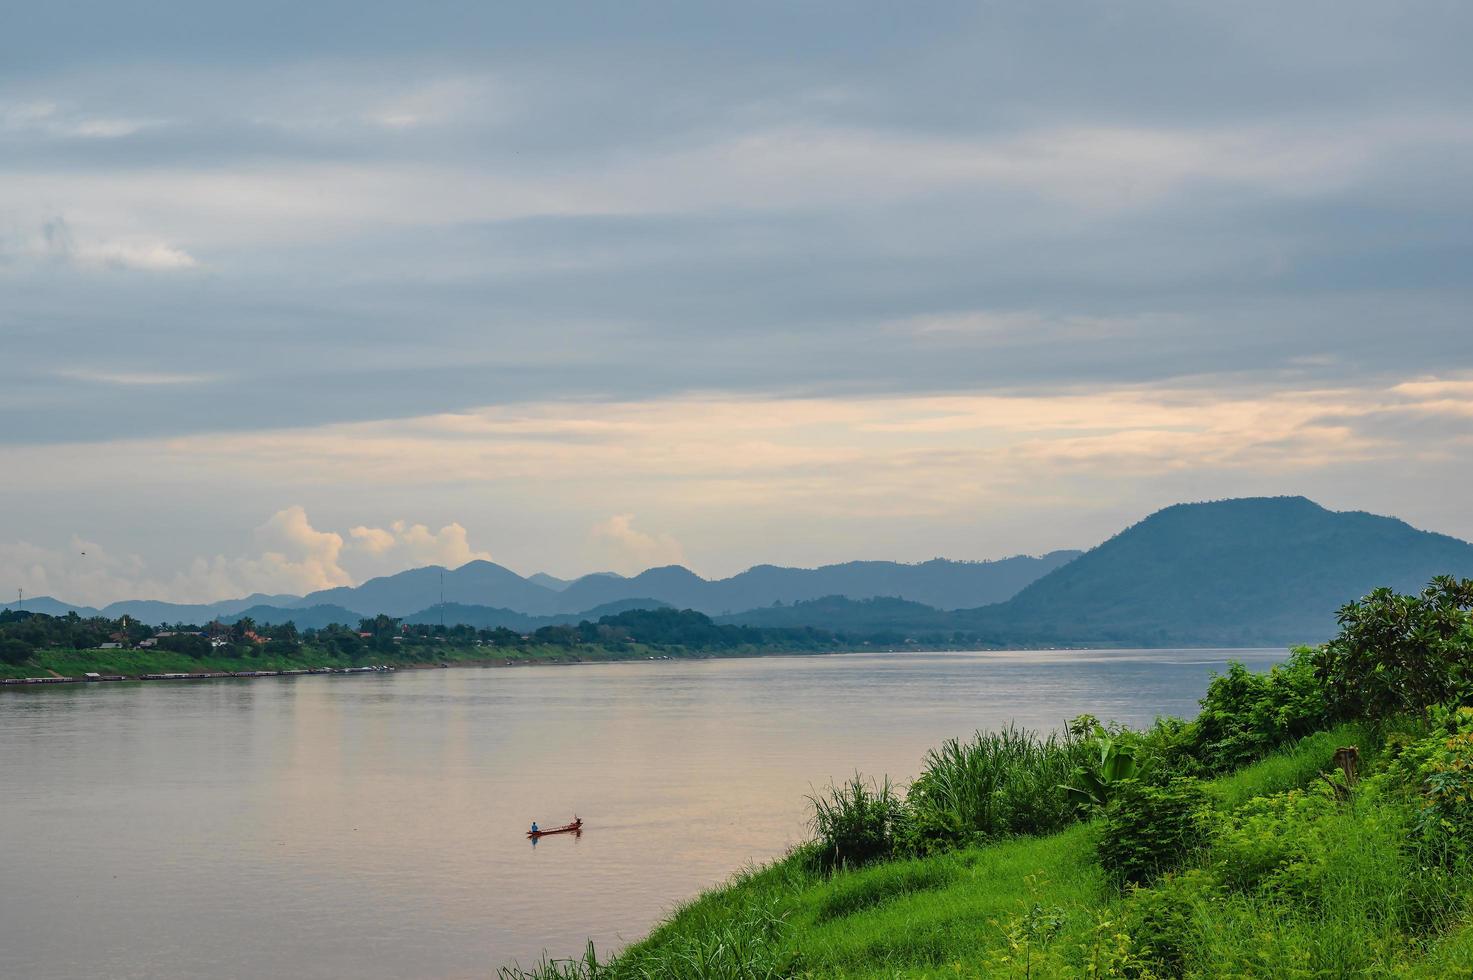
291	556
379	550
144	255
629	549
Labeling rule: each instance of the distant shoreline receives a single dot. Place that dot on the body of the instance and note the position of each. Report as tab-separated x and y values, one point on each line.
562	660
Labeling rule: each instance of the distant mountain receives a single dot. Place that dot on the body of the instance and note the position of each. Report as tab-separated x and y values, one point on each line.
939	583
1265	570
305	618
836	612
475	583
46	605
488	617
152	611
483	585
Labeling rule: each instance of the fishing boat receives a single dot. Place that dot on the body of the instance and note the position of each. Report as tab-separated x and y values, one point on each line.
570	828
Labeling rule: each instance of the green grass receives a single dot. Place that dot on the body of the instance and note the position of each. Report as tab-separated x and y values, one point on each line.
1293	766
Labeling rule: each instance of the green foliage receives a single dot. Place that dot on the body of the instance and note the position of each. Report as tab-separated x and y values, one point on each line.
997	784
1441	767
1246	715
1162	920
1291	767
1150	829
13	651
1108	761
1271	844
857	822
1027	935
1399	653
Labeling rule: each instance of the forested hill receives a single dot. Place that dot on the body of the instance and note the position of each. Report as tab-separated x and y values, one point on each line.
1256	570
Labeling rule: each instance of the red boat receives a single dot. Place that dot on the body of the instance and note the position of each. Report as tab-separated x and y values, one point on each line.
571	828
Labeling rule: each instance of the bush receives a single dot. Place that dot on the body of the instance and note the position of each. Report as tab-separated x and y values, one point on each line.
1401	653
1160	920
1272	844
857	822
1443	767
1246	715
1149	830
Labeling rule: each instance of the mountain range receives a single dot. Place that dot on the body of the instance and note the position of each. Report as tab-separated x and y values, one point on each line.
1243	572
939	582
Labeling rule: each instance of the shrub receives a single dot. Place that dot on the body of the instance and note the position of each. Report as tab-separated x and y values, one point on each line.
1270	844
1168	748
857	822
1149	830
1247	715
1160	920
1444	772
1401	653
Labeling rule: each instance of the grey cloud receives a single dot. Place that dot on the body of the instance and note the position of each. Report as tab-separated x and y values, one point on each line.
398	209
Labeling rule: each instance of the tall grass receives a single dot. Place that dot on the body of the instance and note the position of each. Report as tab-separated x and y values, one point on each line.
998	784
856	822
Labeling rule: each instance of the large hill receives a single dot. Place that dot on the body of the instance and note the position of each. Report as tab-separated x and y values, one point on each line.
1255	570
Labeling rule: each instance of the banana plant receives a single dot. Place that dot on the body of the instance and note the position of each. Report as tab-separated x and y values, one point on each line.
1095	783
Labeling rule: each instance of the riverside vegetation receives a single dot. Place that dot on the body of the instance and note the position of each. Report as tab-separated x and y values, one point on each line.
1312	821
34	644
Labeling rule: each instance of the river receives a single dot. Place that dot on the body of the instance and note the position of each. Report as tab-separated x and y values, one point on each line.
372	826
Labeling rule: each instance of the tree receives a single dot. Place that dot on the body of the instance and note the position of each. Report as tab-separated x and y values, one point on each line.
14	651
1400	653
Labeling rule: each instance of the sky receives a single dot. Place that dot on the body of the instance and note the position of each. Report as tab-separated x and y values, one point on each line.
292	295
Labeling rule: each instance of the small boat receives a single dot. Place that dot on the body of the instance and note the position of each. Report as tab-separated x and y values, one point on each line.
569	828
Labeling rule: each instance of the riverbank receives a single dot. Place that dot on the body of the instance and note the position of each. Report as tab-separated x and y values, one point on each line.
73	666
1312	821
1289	881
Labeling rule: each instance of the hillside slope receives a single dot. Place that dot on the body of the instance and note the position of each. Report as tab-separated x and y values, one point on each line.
1267	570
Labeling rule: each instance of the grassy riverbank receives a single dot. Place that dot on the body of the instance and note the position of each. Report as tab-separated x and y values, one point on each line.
1313	821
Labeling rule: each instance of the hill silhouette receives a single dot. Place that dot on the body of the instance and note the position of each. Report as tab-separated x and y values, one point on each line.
1253	570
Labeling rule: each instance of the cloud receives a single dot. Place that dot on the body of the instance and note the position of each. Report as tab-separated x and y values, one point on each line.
377	550
629	549
290	556
59	243
50	119
132	378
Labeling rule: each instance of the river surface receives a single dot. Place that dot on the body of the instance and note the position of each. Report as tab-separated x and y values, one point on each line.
372	826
